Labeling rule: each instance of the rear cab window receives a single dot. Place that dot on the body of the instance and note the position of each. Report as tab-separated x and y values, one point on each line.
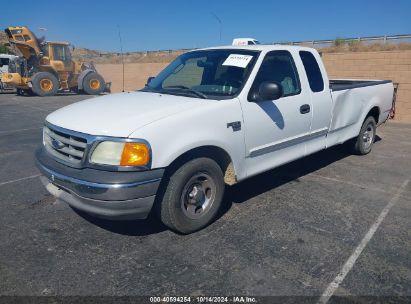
4	61
312	69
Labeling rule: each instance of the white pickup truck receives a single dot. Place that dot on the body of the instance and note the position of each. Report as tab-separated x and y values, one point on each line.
212	117
4	68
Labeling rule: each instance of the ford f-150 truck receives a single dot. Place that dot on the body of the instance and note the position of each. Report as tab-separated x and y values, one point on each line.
213	117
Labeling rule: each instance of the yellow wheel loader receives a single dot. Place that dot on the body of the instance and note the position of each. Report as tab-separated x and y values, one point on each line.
44	68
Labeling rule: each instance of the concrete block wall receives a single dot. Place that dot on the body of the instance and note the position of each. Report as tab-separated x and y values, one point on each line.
392	65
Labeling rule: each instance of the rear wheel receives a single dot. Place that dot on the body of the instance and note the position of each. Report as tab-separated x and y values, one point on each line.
363	143
44	84
193	196
93	84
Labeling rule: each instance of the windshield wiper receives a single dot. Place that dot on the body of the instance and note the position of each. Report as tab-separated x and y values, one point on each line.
184	88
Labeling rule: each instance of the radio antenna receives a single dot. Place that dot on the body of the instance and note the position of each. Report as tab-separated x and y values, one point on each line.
121	49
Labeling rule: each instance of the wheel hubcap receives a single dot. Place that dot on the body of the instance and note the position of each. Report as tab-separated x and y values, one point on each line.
368	136
94	84
198	195
46	85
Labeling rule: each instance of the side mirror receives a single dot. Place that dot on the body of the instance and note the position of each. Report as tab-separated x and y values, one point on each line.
149	80
269	90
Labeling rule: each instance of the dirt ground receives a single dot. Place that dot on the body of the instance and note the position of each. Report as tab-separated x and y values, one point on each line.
135	74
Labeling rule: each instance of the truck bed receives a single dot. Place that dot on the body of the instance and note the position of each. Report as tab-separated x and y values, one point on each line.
346	84
352	100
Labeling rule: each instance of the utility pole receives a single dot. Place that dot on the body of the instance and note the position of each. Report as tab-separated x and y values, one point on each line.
220	23
121	49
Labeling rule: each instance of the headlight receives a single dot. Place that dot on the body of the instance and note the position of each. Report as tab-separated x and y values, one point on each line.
121	154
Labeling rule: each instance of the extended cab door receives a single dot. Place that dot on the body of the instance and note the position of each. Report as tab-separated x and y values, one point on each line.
276	130
320	99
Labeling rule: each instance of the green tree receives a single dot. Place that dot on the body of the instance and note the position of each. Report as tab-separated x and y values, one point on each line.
4	49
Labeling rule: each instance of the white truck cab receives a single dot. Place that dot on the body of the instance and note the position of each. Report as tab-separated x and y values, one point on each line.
212	117
245	41
4	62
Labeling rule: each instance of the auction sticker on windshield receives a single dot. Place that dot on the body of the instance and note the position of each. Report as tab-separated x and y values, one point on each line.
238	60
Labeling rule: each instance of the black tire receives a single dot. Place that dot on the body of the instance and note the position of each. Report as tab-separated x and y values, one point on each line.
187	218
362	144
28	92
93	84
75	90
44	84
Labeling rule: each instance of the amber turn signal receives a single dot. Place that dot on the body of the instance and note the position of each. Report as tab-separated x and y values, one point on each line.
135	154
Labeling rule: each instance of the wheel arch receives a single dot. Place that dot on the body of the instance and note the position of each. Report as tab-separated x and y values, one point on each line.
47	70
218	154
374	112
81	77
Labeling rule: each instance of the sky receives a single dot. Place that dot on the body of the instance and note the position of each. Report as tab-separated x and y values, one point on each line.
176	24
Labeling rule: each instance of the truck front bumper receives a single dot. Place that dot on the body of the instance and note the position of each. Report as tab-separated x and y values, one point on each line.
106	194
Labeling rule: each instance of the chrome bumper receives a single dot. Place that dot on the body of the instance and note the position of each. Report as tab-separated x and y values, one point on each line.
114	195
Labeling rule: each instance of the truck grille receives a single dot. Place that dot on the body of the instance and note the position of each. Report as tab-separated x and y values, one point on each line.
65	147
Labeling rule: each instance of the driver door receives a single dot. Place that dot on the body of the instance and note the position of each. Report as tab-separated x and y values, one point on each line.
276	130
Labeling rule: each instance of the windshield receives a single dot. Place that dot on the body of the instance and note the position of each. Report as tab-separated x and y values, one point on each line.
214	74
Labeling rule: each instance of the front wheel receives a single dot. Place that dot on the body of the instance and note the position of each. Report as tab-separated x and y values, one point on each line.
193	196
44	84
93	84
363	143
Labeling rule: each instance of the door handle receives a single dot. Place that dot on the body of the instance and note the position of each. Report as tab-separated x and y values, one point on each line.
304	109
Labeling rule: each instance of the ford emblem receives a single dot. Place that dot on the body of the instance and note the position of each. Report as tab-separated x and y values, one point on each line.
57	144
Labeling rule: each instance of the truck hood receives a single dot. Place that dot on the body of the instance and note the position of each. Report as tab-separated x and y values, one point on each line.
120	114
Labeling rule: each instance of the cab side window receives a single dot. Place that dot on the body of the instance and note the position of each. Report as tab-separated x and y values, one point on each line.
279	67
61	52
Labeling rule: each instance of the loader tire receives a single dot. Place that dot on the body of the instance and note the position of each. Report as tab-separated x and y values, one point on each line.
93	84
45	84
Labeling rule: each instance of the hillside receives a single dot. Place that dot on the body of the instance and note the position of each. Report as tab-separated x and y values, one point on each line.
130	57
101	57
3	40
3	37
167	56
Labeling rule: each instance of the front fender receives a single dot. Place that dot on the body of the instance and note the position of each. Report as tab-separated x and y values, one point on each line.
175	135
81	77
